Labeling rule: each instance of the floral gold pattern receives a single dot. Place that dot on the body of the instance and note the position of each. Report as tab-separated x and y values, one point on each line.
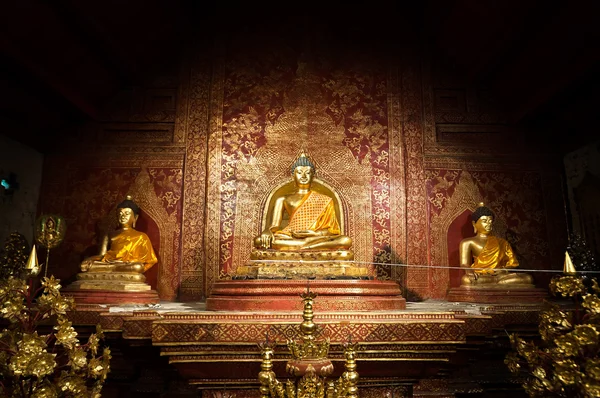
416	209
192	117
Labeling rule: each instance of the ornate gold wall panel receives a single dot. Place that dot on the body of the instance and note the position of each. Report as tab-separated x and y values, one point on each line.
192	121
465	197
398	232
264	110
203	153
416	210
158	192
216	218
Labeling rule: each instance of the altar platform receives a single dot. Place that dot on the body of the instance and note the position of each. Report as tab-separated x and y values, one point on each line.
428	349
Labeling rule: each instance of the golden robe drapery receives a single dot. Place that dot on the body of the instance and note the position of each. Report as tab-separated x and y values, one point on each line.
131	246
316	212
496	253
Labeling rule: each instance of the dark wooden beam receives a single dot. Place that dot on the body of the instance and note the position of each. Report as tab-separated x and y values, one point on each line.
33	39
130	38
528	102
62	87
93	31
43	39
555	56
475	34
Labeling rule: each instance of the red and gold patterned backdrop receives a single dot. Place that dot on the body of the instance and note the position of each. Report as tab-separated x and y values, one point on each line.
201	152
269	104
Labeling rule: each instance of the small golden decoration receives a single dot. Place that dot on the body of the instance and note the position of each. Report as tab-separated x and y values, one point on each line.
309	365
49	232
32	267
225	276
569	268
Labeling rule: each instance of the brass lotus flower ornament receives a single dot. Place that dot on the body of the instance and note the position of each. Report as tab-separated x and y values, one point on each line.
52	365
567	364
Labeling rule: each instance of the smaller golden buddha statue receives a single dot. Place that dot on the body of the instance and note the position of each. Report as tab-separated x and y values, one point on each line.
125	254
489	258
301	235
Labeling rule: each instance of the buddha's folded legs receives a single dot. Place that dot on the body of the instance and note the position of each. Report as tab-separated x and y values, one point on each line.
499	277
480	280
100	266
312	243
329	242
515	278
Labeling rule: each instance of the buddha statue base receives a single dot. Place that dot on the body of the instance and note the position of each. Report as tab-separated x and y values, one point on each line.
328	270
270	255
497	293
111	288
306	264
273	280
118	281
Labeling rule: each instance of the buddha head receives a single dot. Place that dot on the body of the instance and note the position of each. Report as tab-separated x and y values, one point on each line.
303	171
50	224
127	212
482	220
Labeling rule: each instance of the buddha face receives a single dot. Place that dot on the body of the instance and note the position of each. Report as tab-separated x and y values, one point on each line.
126	216
484	225
303	176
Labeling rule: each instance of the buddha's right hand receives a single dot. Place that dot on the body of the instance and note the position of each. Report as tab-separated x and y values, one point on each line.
87	263
266	239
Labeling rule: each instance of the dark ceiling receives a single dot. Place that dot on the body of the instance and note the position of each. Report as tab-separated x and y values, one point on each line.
62	60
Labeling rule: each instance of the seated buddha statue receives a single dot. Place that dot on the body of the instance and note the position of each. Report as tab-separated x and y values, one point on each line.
487	257
125	253
301	232
313	222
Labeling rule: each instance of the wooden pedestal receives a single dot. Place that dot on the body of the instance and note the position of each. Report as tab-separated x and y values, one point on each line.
497	295
84	296
284	295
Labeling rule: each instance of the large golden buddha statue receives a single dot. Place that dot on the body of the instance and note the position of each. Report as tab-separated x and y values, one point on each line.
301	235
313	222
125	254
489	258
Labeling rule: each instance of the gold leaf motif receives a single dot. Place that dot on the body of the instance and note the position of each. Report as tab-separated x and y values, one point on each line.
567	363
32	360
569	286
